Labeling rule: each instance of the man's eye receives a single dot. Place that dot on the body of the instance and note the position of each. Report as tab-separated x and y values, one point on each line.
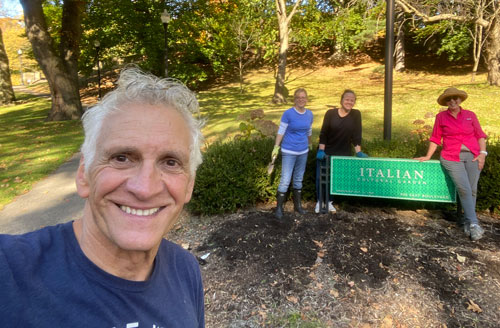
121	158
172	163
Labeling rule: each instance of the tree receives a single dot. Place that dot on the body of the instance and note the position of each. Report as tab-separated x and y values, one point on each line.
60	65
482	13
280	91
399	50
6	92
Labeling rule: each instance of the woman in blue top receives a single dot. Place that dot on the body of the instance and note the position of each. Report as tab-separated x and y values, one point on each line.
294	135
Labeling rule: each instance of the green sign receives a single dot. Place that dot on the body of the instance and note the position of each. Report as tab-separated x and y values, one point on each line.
391	178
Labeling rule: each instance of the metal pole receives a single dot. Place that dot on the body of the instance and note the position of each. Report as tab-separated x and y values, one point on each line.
165	26
389	64
19	52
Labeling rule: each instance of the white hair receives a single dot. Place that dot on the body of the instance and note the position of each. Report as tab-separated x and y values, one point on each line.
136	86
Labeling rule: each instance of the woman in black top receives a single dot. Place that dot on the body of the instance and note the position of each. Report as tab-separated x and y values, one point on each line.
341	128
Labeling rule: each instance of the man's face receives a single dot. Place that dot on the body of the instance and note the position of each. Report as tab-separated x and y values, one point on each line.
140	180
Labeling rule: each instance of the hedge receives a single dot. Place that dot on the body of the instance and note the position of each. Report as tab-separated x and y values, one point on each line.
234	173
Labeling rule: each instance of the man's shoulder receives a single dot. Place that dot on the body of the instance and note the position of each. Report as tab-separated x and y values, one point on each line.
38	239
174	252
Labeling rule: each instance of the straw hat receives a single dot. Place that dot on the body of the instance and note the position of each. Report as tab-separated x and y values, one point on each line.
449	93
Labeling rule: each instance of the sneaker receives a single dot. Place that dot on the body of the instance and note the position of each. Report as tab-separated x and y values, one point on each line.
331	208
316	209
476	232
466	229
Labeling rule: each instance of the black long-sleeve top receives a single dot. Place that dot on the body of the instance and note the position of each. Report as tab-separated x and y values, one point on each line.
338	133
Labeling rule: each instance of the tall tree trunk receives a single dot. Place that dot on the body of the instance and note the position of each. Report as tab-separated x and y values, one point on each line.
280	91
493	53
60	68
6	92
400	43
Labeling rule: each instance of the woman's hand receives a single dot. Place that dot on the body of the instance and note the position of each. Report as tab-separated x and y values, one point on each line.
423	158
480	160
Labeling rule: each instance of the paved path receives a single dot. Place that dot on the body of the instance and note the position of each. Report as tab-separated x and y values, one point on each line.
51	201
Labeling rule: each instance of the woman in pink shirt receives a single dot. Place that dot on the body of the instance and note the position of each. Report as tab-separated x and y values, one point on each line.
463	153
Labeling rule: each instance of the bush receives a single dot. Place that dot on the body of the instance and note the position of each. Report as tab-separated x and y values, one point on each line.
234	174
488	193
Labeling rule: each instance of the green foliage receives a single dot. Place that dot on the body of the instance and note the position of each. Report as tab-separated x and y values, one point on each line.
456	45
233	175
488	194
445	38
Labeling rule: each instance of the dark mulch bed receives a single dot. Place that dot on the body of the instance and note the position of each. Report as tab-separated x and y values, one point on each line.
360	267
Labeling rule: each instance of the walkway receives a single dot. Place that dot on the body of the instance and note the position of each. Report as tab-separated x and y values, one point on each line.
51	201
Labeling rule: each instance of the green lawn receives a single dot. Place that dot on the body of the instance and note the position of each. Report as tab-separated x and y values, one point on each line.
414	96
31	148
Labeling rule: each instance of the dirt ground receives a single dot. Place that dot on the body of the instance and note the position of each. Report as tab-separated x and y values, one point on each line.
361	267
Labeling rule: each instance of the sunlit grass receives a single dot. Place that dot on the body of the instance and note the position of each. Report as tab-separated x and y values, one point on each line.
414	96
31	148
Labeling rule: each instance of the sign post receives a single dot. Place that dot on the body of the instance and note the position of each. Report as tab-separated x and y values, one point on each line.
391	178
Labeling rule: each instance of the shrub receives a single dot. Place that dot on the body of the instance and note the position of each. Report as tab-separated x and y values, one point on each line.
488	194
233	175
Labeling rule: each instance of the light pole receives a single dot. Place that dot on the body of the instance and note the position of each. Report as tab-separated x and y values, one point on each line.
165	19
20	52
97	46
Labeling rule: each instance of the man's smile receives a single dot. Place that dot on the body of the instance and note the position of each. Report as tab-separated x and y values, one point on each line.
140	212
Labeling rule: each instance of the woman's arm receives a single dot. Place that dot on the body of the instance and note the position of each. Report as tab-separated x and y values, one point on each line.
481	158
430	151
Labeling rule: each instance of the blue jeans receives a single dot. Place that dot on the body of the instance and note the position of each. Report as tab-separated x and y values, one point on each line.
465	175
326	161
292	165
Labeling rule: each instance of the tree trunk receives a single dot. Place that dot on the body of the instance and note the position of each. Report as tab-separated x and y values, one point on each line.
493	53
59	69
280	90
6	92
400	44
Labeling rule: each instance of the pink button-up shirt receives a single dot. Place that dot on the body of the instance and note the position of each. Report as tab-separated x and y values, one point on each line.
454	132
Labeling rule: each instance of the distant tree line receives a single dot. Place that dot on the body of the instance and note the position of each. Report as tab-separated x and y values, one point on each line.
213	39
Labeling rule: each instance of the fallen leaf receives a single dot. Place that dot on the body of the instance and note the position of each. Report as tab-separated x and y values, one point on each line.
318	243
321	254
334	293
351	283
319	285
474	307
292	299
461	259
364	249
387	322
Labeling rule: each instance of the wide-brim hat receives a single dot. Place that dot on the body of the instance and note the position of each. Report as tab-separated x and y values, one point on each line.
449	93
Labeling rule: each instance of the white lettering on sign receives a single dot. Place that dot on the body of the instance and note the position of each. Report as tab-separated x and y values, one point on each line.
389	174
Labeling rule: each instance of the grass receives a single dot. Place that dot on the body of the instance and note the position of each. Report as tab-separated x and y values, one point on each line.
414	96
31	148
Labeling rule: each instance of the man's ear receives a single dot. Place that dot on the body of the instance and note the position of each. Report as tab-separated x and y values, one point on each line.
82	183
189	190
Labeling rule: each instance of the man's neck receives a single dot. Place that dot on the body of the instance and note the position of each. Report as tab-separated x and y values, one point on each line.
130	265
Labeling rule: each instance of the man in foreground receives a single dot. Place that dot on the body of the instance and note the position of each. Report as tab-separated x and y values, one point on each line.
112	267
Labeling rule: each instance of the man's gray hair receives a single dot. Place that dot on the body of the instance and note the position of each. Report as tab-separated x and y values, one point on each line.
135	86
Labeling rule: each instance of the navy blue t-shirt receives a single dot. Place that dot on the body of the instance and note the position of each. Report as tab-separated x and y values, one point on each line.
47	281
